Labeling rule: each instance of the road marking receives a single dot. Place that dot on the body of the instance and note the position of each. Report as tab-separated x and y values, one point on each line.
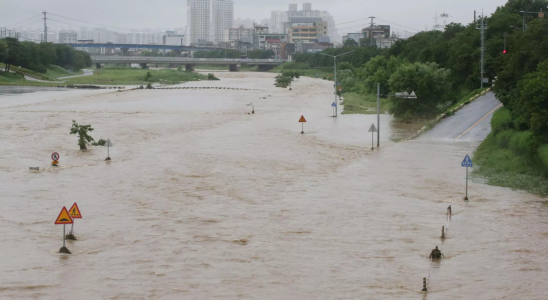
478	122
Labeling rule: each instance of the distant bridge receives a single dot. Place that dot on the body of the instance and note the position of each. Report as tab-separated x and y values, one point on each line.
233	63
149	47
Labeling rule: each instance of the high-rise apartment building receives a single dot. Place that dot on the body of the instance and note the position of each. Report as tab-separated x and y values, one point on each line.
198	21
68	37
222	18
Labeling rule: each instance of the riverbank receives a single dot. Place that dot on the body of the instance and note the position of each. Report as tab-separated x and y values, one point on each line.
117	77
505	158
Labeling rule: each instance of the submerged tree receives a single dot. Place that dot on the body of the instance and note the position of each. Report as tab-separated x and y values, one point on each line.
82	131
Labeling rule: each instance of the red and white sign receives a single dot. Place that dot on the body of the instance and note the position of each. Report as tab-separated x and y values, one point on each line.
55	156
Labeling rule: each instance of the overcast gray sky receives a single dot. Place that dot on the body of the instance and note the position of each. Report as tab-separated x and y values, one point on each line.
408	15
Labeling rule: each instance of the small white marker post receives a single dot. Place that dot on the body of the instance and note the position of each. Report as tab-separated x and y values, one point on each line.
467	162
372	129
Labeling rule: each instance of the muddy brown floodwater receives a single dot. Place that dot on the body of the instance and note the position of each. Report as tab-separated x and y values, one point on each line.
203	201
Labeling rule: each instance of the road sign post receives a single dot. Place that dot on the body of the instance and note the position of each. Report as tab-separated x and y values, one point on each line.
334	105
74	213
467	162
302	121
373	129
64	219
55	158
109	144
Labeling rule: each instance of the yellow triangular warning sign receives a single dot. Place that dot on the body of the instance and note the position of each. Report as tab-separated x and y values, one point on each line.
302	120
74	212
64	217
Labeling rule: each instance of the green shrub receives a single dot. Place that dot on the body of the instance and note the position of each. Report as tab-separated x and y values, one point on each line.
100	142
291	65
283	81
211	76
543	154
501	121
503	138
149	86
520	141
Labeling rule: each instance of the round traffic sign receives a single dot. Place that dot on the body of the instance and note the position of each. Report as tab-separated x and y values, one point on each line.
55	156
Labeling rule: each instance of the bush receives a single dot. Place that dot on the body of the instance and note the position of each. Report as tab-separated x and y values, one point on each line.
148	76
283	81
543	154
211	76
520	141
291	65
501	121
149	87
503	138
292	74
100	142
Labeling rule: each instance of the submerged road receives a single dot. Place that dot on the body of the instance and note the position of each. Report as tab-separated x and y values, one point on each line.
471	123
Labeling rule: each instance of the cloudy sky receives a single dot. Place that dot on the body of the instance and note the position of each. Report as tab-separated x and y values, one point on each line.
410	15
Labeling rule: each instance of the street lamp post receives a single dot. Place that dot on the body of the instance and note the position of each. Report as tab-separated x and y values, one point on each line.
335	73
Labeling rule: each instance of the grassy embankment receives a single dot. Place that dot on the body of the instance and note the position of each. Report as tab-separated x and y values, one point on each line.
224	68
119	76
134	76
305	70
505	158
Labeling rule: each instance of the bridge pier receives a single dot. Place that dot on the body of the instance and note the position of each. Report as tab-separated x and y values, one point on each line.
98	66
265	68
143	66
233	68
189	67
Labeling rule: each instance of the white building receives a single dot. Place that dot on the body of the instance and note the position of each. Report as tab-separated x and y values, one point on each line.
68	37
277	19
222	18
198	21
237	34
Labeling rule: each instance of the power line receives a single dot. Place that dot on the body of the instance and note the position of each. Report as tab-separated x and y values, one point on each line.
398	24
96	24
26	20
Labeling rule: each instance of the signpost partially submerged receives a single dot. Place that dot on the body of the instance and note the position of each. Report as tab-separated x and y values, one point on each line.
55	159
64	219
109	144
467	162
372	129
74	213
302	121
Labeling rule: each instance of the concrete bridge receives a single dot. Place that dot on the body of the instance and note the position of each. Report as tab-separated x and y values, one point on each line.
189	63
142	46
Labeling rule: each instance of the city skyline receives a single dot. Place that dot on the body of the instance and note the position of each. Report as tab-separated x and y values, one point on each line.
172	14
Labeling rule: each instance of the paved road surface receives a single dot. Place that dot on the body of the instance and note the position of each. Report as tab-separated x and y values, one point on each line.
86	73
472	123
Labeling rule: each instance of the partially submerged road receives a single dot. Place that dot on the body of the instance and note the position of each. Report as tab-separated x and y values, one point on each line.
471	123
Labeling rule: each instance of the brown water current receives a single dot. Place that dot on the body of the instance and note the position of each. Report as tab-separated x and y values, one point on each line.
204	201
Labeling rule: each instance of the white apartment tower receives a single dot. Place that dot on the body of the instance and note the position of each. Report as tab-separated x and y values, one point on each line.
198	14
222	18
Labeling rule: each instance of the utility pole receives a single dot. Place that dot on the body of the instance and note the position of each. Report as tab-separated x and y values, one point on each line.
371	31
45	28
482	27
378	115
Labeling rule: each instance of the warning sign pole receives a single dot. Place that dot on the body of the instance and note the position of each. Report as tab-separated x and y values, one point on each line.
64	235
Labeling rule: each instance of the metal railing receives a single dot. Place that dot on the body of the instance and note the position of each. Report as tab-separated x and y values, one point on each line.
182	59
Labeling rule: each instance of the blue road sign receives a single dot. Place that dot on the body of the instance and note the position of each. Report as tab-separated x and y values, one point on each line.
339	83
467	162
333	104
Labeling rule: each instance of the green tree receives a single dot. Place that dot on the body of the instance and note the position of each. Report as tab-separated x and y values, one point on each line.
4	51
530	103
430	83
350	43
14	53
83	136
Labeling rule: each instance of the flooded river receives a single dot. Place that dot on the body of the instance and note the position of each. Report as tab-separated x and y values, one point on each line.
204	201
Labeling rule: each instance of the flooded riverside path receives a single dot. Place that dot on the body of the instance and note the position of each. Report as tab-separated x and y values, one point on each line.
202	201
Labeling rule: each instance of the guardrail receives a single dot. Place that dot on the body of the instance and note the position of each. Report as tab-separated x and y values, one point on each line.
150	59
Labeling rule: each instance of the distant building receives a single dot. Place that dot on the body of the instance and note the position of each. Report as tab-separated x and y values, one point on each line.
222	18
378	31
68	37
198	21
236	34
173	38
307	6
353	36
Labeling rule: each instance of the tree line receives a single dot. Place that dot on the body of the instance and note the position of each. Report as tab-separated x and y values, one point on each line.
38	57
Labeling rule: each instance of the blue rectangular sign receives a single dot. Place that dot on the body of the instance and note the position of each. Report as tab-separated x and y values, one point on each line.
334	104
467	162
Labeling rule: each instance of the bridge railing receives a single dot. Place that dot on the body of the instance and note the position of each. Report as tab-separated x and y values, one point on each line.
181	59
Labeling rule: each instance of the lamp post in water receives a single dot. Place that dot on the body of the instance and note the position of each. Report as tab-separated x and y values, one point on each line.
402	95
335	78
